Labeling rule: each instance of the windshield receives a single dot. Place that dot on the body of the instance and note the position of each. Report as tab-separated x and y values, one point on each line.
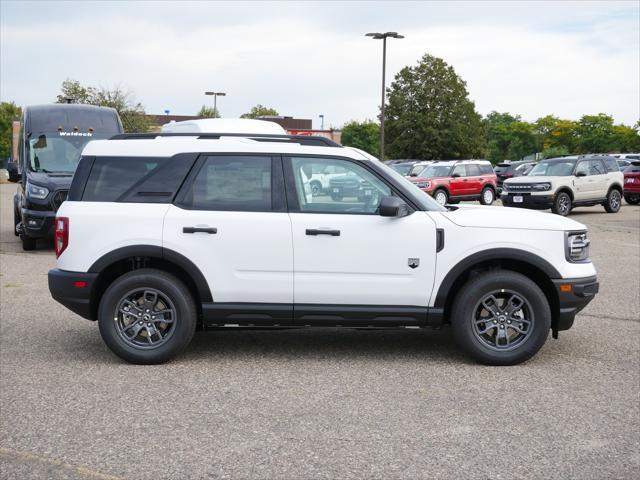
416	169
436	171
554	168
51	152
401	169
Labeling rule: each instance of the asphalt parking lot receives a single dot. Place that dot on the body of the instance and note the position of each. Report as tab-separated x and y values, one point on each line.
298	404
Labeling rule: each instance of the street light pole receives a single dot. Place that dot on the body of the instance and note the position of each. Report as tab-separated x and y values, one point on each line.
215	98
383	37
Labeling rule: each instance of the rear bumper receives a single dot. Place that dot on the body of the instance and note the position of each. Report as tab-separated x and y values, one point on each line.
541	202
573	296
73	290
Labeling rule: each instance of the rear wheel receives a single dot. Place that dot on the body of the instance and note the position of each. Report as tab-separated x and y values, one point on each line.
562	204
16	222
441	196
147	316
613	202
501	318
632	199
488	196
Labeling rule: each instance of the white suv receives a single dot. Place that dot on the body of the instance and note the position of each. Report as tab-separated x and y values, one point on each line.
564	183
164	234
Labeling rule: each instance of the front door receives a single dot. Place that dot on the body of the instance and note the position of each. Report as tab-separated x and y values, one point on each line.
346	254
458	184
230	220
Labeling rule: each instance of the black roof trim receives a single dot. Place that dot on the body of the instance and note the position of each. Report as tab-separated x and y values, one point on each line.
312	141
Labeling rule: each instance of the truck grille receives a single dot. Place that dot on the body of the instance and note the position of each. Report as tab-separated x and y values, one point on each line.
518	187
57	199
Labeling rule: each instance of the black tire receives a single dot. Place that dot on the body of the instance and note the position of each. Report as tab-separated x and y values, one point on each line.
614	201
468	305
562	204
168	287
28	243
440	196
16	222
484	196
632	199
336	197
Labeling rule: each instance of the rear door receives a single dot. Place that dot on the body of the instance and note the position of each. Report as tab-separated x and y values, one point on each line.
230	220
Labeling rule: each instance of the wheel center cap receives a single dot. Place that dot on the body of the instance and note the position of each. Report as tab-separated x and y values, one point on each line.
502	318
146	317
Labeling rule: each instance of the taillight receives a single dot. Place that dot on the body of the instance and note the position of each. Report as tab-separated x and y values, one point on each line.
61	235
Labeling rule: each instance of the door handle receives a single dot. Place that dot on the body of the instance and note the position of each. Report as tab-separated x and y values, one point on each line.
209	230
316	231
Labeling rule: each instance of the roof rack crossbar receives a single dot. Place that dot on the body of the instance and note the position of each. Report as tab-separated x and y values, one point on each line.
315	141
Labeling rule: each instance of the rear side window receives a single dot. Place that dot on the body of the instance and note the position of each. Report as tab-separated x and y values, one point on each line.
611	164
136	179
231	183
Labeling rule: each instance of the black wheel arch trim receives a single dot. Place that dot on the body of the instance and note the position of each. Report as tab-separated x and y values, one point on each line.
489	255
155	251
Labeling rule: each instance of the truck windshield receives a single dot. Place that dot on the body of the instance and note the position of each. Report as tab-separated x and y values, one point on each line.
57	151
553	168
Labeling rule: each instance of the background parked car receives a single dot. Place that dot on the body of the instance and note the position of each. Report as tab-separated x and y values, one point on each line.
419	167
506	170
402	167
456	180
632	183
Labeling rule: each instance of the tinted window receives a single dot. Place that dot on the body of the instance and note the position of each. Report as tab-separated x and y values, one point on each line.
231	183
459	170
112	178
473	171
596	167
485	169
356	190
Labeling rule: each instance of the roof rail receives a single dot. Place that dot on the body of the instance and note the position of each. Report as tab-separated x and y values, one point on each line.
312	141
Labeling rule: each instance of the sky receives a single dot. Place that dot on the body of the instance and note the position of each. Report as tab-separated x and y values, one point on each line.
310	58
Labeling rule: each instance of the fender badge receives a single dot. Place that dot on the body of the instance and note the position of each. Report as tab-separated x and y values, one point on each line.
414	262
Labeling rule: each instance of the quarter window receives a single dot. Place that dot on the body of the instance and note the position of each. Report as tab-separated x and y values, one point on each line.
351	189
231	183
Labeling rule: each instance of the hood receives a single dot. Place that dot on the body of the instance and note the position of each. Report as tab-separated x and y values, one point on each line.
478	216
50	181
541	179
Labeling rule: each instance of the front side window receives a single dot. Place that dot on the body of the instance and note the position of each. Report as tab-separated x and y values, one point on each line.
596	167
582	168
231	183
355	190
459	171
52	152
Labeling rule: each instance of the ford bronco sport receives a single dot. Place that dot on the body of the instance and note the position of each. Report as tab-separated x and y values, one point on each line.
164	234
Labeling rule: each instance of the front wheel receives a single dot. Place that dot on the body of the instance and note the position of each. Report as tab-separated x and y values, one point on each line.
488	196
147	316
613	202
441	197
28	243
501	318
562	204
632	199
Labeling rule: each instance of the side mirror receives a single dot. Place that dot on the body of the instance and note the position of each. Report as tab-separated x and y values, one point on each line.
581	174
393	207
14	174
413	174
455	175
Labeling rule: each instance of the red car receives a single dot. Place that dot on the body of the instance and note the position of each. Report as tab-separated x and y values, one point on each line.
632	183
452	181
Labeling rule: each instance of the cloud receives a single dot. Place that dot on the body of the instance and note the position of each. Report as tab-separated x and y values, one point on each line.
295	58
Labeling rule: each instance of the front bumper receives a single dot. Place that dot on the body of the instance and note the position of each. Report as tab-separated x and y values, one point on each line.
74	290
541	202
573	296
38	223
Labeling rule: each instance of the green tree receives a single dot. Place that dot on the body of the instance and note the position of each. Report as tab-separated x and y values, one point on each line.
595	133
508	137
564	134
131	112
259	111
626	139
9	112
208	112
364	135
429	114
553	152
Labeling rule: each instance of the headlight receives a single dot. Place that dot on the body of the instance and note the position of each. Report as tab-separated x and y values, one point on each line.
35	191
576	247
423	184
541	187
